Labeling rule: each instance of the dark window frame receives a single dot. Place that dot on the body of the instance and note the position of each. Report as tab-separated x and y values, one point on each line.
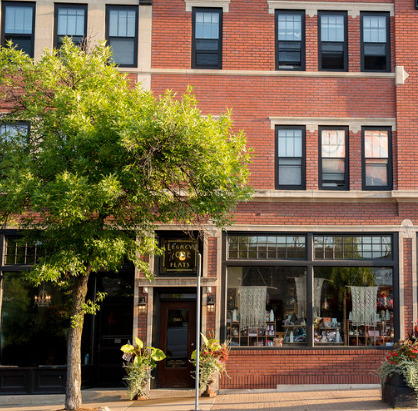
302	41
362	56
6	36
345	43
346	162
194	50
279	186
57	6
389	172
110	7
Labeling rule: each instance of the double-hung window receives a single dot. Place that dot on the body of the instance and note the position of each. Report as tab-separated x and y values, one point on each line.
207	38
290	157
332	45
122	34
377	172
375	40
290	40
18	25
333	167
70	21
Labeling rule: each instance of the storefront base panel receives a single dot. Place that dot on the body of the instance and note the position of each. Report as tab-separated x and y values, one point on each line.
266	369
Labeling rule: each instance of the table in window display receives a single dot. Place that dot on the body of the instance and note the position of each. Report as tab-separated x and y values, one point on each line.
250	336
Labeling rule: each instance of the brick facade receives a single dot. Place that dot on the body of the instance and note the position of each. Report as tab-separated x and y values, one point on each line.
265	369
261	98
249	85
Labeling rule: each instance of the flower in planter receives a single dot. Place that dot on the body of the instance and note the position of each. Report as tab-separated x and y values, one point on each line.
140	362
402	360
212	361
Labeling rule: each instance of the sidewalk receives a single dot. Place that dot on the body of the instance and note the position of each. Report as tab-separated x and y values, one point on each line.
183	400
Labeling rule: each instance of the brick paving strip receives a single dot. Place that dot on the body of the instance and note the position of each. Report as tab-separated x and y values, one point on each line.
347	400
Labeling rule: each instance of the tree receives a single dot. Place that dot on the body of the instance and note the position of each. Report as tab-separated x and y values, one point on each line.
103	163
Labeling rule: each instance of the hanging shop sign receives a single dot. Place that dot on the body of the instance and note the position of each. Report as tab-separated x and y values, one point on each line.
179	256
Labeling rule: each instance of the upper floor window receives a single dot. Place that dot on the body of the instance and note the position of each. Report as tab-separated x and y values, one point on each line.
207	38
377	174
18	25
332	45
333	167
70	21
9	131
375	40
290	163
290	40
122	34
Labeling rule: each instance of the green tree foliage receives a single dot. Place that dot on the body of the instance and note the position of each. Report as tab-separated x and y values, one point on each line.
104	162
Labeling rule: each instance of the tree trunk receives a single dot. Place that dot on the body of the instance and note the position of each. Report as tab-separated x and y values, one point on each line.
73	399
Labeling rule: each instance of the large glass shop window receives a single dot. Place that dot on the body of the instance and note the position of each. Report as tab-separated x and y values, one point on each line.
266	306
353	306
34	323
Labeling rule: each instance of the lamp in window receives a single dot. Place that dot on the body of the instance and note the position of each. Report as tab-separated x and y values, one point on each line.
142	303
210	302
43	299
325	305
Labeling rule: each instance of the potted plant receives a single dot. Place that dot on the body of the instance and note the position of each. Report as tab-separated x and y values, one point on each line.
140	362
212	363
399	375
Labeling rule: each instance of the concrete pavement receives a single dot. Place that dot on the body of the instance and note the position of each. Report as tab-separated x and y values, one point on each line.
183	400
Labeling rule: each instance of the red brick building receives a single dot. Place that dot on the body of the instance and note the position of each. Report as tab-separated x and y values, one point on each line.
317	276
325	94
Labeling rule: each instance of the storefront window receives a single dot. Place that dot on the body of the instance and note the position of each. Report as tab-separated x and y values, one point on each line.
353	306
352	282
33	325
266	306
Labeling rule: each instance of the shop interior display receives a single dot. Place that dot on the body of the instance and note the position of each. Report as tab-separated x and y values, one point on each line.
366	320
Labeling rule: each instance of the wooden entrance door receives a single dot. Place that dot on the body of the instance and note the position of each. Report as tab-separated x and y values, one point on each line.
177	340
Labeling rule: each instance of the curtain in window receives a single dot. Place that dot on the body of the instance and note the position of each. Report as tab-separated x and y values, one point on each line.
252	306
364	309
301	296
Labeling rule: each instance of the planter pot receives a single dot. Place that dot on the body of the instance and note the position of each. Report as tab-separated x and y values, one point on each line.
210	390
397	394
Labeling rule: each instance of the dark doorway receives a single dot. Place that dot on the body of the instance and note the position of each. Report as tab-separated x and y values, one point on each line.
109	329
177	340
